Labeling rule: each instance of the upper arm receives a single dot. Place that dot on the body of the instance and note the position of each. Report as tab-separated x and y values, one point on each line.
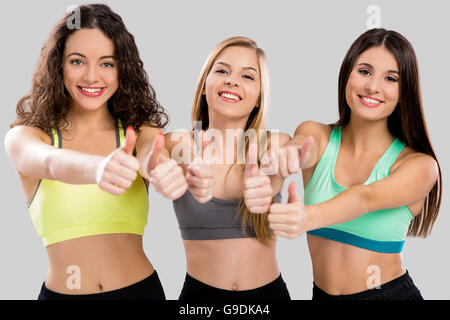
180	145
29	149
145	139
408	184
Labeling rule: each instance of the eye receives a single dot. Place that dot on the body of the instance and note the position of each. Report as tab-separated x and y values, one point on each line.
246	76
391	79
364	72
76	62
221	71
107	64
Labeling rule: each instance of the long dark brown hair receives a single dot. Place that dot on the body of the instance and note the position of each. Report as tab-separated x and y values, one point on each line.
407	121
134	103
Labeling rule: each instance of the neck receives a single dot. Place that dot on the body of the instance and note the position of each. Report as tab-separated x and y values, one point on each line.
222	124
90	120
230	132
362	135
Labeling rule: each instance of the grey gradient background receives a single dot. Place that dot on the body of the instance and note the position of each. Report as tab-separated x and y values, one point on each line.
305	43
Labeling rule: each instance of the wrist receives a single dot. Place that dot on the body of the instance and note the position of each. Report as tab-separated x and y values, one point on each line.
94	170
311	217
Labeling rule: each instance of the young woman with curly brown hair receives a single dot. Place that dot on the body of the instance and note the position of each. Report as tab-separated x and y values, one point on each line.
82	175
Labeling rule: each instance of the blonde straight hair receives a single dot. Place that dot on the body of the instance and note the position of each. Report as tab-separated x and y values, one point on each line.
256	120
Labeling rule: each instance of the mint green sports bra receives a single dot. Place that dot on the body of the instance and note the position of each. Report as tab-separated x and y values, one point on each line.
62	211
381	231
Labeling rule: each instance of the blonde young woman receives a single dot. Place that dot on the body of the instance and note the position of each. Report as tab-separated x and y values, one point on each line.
230	250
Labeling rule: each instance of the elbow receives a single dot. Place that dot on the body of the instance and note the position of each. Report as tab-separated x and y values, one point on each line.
49	162
365	199
362	198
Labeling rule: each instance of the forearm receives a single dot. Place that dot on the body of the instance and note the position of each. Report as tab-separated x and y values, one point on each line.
72	167
348	205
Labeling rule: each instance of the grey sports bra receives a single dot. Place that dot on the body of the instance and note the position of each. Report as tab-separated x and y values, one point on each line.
215	219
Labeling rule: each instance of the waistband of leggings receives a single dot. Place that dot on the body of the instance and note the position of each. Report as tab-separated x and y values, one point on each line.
199	284
152	277
385	286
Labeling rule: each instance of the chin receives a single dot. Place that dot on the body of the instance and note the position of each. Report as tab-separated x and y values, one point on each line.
91	106
370	117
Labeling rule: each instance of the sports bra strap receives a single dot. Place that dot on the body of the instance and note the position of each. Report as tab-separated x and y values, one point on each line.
333	144
391	154
55	135
120	133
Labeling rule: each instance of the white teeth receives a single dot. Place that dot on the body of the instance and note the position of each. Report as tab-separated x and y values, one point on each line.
91	90
230	96
369	100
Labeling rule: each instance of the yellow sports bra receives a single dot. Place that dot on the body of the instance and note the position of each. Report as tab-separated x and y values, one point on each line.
62	211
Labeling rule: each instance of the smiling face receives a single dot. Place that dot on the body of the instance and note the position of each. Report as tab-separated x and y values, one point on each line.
232	87
372	90
89	69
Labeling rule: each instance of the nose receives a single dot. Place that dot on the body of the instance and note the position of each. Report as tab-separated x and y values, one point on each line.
232	80
90	75
372	85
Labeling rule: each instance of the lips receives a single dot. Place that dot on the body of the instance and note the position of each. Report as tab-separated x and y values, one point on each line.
229	96
370	102
91	92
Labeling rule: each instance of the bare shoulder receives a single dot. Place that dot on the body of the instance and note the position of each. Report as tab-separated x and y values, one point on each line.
148	131
20	134
319	131
313	128
421	162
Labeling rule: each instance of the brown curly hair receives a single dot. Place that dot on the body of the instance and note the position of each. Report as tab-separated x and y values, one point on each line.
134	102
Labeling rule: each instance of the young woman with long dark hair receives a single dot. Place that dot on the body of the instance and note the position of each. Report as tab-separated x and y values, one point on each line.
371	179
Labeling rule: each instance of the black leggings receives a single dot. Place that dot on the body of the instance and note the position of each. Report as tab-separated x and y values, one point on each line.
401	288
148	289
195	290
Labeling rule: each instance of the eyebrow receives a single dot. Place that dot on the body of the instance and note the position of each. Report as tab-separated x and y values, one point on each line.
83	56
371	67
244	68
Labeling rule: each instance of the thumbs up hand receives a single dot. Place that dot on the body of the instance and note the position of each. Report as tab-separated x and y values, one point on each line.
258	190
200	175
165	174
288	220
289	159
116	173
